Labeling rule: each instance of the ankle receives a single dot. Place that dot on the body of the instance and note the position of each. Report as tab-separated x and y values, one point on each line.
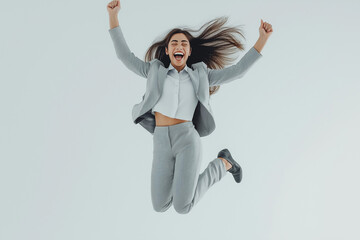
226	163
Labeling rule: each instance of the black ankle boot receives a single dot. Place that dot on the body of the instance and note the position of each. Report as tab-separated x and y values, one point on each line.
235	170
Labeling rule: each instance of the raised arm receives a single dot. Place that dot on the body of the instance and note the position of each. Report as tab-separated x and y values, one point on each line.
123	52
225	75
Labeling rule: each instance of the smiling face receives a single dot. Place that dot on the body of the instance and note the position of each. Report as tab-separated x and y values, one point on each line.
178	45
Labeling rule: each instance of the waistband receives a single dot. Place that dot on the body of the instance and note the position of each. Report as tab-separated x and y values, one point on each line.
177	126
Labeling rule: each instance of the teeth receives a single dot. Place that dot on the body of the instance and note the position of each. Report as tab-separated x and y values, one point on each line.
178	53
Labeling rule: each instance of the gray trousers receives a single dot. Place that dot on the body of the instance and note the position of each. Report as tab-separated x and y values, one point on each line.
175	179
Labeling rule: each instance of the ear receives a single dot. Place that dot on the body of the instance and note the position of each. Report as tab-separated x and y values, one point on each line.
190	51
166	51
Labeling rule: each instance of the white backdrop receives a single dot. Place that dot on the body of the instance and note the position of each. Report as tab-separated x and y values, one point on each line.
75	166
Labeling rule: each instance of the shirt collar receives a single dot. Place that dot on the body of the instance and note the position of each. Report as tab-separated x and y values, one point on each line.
172	67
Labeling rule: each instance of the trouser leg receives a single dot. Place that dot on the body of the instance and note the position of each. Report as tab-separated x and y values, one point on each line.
162	172
188	185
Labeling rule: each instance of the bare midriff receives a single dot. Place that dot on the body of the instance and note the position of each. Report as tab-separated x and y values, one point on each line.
162	120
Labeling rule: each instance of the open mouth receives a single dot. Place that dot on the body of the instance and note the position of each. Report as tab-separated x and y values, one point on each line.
178	56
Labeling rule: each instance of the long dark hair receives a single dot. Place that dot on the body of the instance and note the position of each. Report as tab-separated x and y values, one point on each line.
212	46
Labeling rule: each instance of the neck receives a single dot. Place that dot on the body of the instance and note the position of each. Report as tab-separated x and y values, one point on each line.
179	68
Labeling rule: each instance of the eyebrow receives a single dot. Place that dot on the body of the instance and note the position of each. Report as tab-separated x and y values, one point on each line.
177	40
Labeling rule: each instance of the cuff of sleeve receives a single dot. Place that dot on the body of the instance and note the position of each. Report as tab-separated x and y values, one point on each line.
255	52
115	29
117	36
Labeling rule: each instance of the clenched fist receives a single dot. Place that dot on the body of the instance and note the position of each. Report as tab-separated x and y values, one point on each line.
265	29
113	7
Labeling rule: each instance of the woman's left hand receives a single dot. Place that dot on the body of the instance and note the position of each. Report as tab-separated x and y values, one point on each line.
265	30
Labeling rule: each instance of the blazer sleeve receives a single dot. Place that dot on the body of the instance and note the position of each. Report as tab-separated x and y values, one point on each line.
123	52
226	75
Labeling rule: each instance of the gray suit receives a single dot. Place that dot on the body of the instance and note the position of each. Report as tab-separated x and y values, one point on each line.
201	76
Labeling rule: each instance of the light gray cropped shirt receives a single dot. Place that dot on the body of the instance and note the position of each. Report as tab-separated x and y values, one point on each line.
178	99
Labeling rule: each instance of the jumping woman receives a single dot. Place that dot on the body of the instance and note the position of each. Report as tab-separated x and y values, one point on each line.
182	71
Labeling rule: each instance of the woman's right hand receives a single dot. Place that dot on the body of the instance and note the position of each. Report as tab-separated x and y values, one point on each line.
113	7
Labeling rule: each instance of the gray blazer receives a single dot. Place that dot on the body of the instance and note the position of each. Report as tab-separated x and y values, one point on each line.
201	77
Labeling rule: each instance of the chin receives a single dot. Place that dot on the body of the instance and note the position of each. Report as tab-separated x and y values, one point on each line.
178	63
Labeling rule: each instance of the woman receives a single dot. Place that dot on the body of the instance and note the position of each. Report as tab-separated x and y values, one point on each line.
176	109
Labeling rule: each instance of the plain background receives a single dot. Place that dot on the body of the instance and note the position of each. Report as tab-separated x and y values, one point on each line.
75	166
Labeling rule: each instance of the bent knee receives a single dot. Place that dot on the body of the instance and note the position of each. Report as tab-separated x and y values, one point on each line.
161	207
183	209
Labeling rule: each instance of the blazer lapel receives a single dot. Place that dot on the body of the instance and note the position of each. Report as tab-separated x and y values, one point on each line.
194	76
161	78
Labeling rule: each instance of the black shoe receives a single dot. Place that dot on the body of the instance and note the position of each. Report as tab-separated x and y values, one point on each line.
235	170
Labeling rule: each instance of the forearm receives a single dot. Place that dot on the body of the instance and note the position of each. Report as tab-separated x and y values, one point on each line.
260	43
114	22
